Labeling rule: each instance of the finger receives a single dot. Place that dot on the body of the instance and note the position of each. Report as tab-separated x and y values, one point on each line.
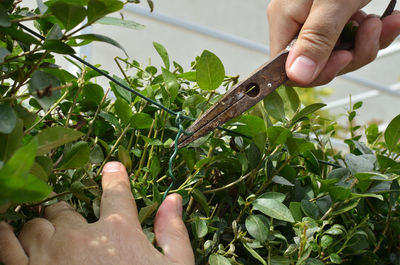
390	29
117	196
171	233
366	43
285	18
34	233
63	214
11	251
317	39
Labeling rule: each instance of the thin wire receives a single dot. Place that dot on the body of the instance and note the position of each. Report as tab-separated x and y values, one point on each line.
181	131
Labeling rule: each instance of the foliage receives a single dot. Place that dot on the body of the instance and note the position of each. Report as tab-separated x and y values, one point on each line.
268	199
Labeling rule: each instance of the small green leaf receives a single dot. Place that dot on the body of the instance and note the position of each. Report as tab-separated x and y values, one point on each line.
280	197
339	193
146	212
274	105
312	261
19	35
155	166
326	241
297	146
273	208
54	137
77	156
96	155
358	164
392	133
69	13
216	259
114	21
199	197
310	209
123	110
277	135
291	98
124	157
171	83
254	253
120	91
282	181
163	53
100	8
295	209
93	92
142	121
58	46
8	119
16	184
306	111
98	37
9	143
210	71
200	227
258	227
357	105
335	258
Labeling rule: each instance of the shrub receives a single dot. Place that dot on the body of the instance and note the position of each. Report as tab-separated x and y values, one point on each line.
272	191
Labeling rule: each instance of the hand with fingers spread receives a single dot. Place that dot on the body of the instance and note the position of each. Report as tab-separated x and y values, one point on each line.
311	61
65	237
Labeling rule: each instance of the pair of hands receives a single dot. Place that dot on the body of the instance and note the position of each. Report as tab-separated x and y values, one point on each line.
65	237
319	23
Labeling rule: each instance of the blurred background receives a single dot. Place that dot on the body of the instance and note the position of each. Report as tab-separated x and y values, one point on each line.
237	32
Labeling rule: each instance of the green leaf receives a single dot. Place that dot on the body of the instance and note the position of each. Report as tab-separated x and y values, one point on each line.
312	261
339	193
258	227
123	110
250	125
336	230
199	197
297	146
358	164
392	133
273	208
93	92
120	91
9	143
146	212
114	21
97	155
141	121
100	8
155	166
77	156
306	111
254	253
280	197
19	35
367	195
282	181
53	137
69	13
124	157
335	258
171	83
58	46
290	98
326	241
310	209
98	37
295	209
277	135
8	119
163	53
16	184
200	227
273	103
40	82
216	259
372	133
210	71
4	18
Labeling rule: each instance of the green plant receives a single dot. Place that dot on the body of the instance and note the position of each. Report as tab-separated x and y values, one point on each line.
281	195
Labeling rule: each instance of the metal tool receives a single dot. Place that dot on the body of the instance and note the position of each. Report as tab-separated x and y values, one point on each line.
249	92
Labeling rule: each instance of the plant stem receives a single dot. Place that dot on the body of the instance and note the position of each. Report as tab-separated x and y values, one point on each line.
96	115
81	82
48	112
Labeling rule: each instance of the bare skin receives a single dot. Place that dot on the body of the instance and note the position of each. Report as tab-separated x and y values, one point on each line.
311	61
64	236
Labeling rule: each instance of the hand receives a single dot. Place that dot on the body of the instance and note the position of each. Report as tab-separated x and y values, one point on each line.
311	61
65	237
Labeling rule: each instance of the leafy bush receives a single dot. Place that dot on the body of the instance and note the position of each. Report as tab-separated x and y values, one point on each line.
273	191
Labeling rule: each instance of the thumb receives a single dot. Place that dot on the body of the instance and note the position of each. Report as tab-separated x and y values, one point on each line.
317	39
171	233
11	251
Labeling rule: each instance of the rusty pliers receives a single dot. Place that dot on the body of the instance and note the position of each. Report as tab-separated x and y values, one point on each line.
250	91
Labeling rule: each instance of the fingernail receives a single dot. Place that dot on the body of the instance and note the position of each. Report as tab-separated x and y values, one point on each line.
111	167
304	69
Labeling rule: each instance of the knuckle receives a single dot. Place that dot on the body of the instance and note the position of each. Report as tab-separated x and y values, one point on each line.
318	40
117	220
